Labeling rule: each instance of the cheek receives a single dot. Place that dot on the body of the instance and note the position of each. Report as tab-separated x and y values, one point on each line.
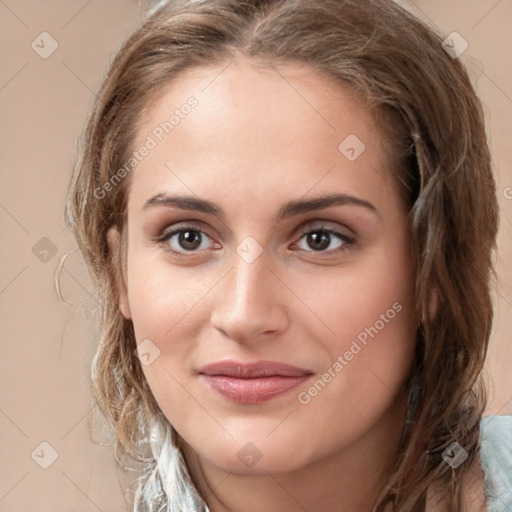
167	304
163	302
369	308
366	371
371	298
162	295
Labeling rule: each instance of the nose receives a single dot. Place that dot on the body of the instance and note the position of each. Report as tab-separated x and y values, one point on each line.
250	306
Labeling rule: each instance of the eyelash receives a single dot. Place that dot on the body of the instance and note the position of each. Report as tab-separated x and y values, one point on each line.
347	241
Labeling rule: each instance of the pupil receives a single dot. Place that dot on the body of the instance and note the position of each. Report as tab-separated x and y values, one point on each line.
190	240
319	240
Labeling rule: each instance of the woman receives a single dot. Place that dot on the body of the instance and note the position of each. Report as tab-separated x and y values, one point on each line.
289	212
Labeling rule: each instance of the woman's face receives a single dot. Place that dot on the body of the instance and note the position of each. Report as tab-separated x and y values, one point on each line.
268	275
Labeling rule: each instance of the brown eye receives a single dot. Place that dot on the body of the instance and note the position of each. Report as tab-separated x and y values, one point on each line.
186	239
323	240
189	240
318	240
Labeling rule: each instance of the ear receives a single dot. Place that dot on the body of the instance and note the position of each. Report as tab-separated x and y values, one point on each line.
115	244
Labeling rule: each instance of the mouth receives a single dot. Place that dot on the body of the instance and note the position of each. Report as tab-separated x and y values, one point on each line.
252	383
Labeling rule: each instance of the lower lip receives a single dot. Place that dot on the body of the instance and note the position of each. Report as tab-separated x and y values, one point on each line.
252	391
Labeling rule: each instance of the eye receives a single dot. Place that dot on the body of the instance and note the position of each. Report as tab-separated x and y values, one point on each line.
186	239
324	240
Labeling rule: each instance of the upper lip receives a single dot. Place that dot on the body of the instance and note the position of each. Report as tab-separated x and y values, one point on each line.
253	370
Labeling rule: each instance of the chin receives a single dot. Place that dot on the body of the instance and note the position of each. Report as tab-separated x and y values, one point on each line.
257	457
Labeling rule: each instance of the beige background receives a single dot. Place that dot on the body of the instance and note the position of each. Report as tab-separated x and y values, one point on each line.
46	345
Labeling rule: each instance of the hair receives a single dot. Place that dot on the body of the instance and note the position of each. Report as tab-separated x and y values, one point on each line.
433	124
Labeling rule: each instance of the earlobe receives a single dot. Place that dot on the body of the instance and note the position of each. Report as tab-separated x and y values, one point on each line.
116	251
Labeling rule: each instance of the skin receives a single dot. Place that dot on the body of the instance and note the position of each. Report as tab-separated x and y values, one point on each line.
252	144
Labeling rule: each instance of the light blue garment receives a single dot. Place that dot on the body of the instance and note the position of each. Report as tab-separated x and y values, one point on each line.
496	461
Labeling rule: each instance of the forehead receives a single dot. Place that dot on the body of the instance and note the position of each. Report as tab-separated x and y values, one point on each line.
262	94
254	127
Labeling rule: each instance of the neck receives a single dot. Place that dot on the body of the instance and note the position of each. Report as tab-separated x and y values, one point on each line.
348	480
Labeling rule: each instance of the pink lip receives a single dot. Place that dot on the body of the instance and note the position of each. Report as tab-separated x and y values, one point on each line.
252	383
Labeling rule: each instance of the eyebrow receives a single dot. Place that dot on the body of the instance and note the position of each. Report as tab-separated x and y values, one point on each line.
294	207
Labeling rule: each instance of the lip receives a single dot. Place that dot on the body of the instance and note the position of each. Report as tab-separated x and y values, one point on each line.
252	382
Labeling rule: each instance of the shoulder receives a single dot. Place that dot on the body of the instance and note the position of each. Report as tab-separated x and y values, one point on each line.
496	461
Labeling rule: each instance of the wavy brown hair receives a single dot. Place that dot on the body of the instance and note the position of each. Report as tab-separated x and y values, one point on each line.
433	124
